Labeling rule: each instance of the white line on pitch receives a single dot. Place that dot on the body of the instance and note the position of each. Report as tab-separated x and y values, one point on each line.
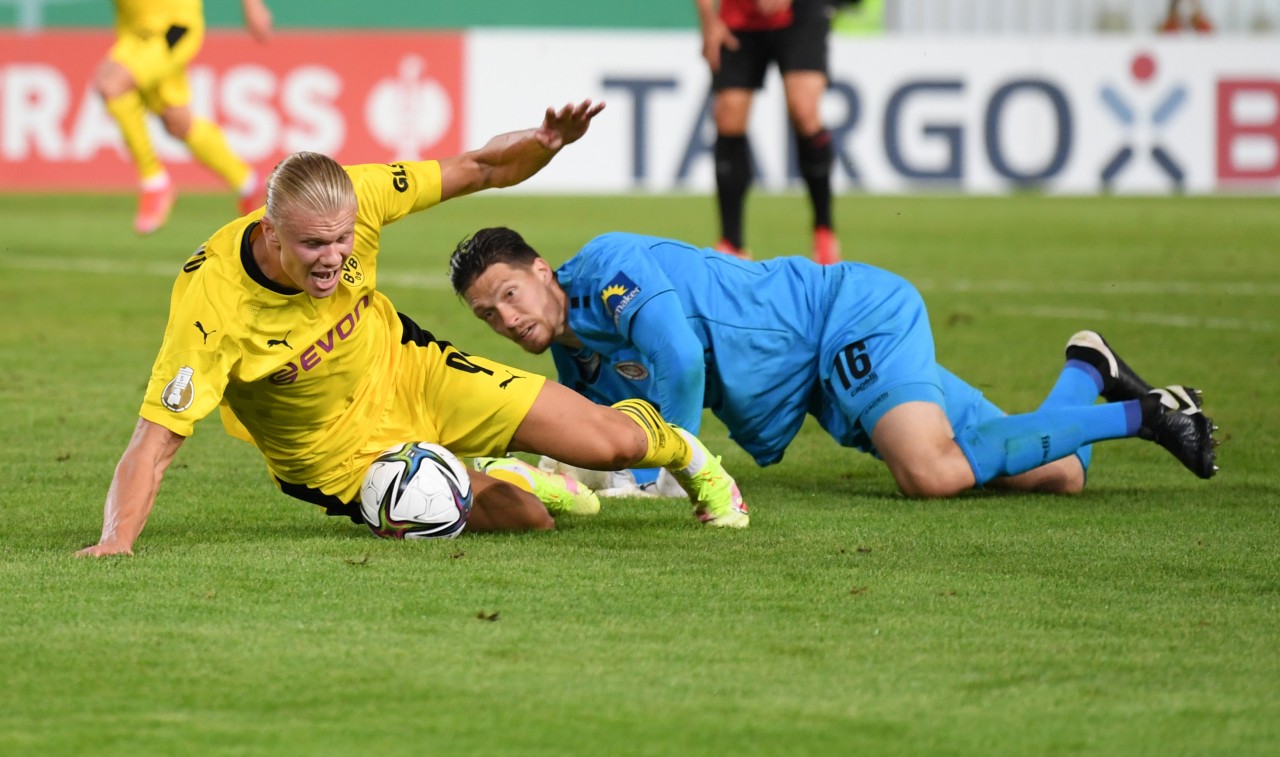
434	282
1006	286
1153	319
170	270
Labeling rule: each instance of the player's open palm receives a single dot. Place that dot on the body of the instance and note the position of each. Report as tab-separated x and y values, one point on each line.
568	124
102	550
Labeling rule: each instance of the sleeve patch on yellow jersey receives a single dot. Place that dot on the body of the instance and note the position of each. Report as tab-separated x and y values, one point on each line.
180	391
195	261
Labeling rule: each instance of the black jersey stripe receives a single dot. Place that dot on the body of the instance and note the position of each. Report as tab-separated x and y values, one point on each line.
252	268
412	333
332	505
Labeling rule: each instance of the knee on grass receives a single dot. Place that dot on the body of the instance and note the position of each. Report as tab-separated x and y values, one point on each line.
933	477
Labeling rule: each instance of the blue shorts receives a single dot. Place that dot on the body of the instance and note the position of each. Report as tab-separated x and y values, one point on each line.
876	352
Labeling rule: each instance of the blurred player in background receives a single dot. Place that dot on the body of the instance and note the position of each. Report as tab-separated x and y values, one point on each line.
762	344
146	70
276	320
740	39
1194	19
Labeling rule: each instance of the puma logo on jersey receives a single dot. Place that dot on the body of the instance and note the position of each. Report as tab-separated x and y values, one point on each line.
316	353
504	383
282	340
204	333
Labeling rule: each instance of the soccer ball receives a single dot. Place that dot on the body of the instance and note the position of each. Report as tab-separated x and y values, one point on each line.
417	490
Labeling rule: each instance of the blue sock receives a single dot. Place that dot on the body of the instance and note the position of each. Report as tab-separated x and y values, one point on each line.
1085	456
1078	384
1017	443
645	475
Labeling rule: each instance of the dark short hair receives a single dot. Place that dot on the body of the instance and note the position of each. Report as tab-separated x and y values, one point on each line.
473	255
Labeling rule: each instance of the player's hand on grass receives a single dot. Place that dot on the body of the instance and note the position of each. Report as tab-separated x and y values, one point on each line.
567	125
103	550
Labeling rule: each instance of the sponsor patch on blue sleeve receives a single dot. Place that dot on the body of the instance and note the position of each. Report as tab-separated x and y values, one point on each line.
618	294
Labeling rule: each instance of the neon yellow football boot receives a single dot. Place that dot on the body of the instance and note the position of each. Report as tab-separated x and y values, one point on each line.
558	492
715	496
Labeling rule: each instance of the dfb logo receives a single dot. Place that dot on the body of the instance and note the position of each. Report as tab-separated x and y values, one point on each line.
1143	69
409	113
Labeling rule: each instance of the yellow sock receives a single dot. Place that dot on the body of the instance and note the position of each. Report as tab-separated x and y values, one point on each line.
667	446
513	478
131	117
207	144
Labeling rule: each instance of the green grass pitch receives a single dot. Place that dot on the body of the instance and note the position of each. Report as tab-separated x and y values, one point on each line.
1142	617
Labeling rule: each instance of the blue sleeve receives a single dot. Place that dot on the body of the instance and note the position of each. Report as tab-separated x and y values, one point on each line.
661	333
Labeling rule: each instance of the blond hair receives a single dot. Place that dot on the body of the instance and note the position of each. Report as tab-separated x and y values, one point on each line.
309	183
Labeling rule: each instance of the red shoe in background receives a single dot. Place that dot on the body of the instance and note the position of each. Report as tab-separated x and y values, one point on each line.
729	248
826	248
1171	25
154	205
254	199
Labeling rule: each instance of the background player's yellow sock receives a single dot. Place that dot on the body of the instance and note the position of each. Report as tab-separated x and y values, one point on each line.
131	117
667	447
207	144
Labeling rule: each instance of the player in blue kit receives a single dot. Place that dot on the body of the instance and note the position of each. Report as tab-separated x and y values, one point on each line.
762	344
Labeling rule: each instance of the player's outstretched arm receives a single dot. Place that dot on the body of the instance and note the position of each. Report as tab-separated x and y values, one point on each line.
257	19
660	331
510	158
133	488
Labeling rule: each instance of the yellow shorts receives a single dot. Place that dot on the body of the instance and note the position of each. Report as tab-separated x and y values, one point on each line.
469	404
157	60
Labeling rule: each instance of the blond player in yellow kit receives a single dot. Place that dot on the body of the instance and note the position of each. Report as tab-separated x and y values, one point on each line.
146	70
276	320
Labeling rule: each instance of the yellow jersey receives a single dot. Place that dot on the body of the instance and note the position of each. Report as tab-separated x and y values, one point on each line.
158	15
308	379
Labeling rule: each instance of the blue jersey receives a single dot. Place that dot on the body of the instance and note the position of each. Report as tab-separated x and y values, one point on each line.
759	343
603	379
737	337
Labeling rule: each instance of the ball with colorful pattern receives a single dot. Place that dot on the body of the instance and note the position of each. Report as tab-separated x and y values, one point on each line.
416	490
